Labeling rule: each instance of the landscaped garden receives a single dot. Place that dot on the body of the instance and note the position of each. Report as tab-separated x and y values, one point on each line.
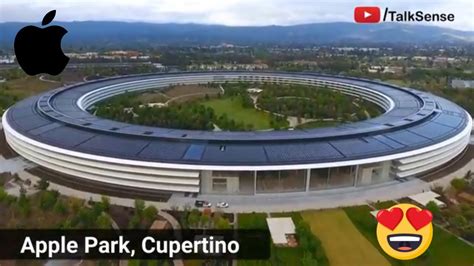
308	252
237	107
440	252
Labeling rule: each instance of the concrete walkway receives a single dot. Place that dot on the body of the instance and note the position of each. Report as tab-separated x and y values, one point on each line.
176	226
14	165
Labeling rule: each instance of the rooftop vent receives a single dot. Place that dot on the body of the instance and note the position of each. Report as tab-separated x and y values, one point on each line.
147	132
222	148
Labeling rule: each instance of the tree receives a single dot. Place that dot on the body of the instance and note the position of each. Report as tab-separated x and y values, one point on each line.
150	213
24	205
193	218
105	203
433	208
139	206
103	222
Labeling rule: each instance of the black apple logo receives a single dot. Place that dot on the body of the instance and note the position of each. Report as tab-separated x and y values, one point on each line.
38	50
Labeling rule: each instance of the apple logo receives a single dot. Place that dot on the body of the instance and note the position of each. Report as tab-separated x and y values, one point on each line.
38	50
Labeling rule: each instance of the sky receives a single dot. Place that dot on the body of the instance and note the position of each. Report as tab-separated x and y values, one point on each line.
226	12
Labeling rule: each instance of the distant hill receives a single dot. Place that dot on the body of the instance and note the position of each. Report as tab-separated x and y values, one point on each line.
123	34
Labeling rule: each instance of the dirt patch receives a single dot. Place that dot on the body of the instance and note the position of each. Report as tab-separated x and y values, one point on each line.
180	90
152	97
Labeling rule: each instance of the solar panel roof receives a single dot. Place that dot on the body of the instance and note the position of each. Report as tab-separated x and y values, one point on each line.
418	119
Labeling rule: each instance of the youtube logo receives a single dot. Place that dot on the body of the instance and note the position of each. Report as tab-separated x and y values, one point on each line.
367	14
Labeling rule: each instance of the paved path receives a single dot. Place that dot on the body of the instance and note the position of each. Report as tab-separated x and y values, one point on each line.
43	78
176	226
14	165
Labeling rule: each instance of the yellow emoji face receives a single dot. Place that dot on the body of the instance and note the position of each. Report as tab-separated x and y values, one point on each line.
404	231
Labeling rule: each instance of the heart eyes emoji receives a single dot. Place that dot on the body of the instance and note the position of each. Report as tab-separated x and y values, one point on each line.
417	218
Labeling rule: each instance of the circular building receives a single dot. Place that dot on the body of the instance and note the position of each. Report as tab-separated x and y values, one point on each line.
417	133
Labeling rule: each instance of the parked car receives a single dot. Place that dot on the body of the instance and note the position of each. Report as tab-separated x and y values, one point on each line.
202	204
222	204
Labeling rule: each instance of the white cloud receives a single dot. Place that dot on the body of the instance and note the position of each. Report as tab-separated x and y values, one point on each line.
227	12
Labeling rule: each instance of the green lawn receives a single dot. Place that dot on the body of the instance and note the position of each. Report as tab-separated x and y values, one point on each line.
280	255
342	241
441	252
252	221
384	204
232	107
285	253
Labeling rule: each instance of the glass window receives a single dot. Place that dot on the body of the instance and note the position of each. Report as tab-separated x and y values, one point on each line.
219	184
342	176
319	178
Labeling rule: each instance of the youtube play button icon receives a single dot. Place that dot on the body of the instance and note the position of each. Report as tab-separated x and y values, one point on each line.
367	14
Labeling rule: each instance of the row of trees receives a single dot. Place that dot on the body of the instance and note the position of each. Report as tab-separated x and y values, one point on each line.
317	103
205	220
313	252
47	206
143	215
188	115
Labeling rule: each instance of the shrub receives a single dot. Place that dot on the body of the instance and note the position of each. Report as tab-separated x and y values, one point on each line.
60	207
24	205
458	221
48	199
134	222
42	184
222	223
309	242
459	184
468	233
3	194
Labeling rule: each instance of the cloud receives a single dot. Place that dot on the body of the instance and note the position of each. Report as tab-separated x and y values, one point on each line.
227	12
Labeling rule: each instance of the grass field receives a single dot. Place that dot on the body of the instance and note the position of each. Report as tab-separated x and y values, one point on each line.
232	107
441	250
252	220
29	86
343	243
